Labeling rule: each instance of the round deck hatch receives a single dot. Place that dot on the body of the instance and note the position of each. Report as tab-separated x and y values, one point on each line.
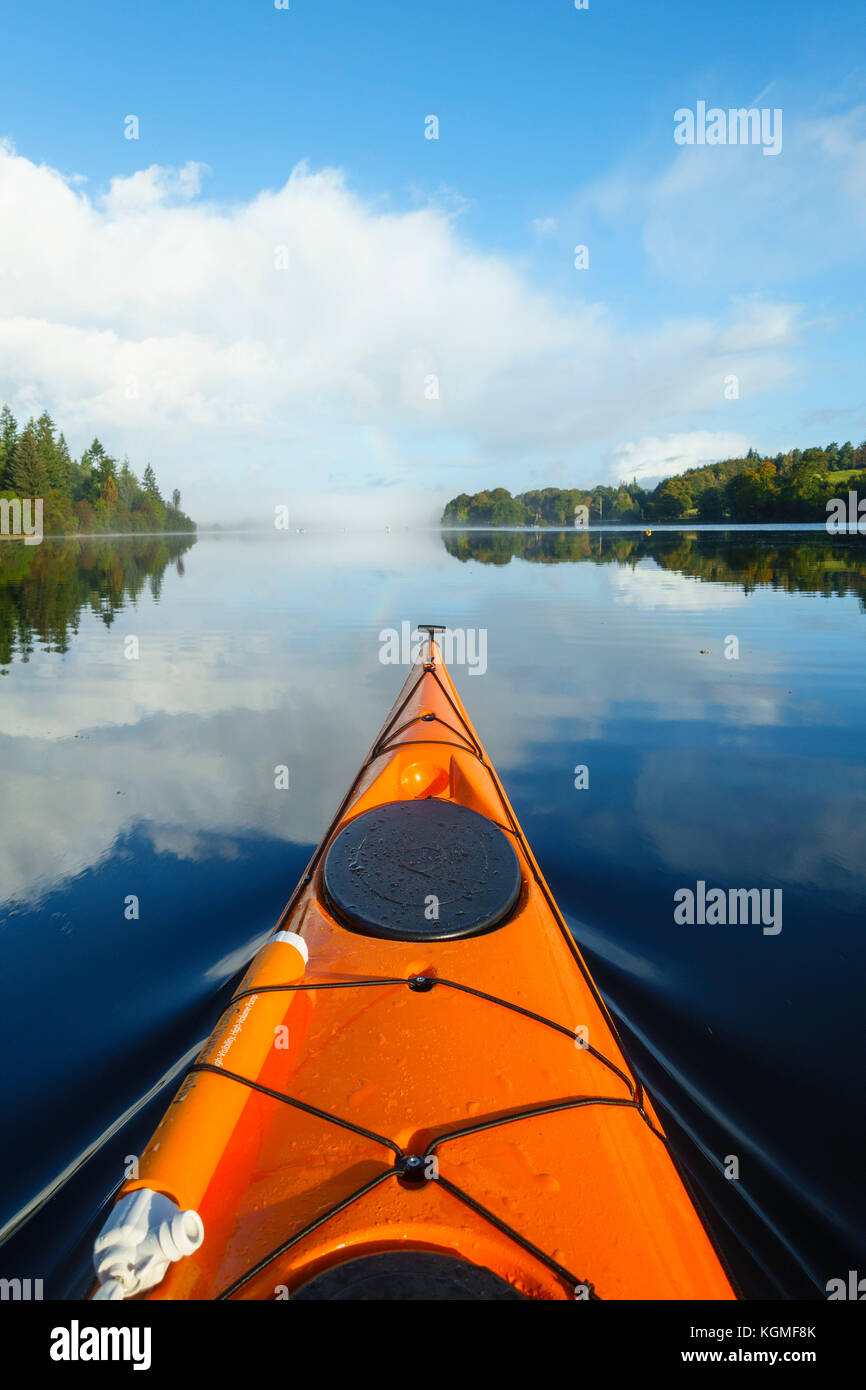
407	1275
425	870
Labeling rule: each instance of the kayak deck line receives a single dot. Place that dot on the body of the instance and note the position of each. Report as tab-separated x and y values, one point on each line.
403	1035
425	982
568	1278
400	1169
490	1122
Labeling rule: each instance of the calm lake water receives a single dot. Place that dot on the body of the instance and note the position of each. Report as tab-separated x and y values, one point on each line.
155	777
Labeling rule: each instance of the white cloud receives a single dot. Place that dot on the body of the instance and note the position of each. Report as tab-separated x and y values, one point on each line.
161	322
148	187
653	457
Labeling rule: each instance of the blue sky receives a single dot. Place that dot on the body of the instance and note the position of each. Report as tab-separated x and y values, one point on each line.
556	128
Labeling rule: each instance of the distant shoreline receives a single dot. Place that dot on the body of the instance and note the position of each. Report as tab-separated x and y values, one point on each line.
595	528
641	529
111	535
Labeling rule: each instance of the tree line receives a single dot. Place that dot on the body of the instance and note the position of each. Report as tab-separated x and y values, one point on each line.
794	486
91	494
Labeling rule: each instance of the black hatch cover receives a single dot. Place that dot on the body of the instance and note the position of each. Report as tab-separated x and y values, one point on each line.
411	1274
427	870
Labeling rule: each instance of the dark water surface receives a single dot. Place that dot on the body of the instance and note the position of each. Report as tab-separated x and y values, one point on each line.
154	777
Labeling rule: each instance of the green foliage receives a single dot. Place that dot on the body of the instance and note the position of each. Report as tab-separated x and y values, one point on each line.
711	504
753	495
673	498
148	483
92	495
28	474
795	486
8	440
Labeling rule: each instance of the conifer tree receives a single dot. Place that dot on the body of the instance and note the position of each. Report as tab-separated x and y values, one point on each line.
62	475
8	440
45	443
148	482
127	485
29	474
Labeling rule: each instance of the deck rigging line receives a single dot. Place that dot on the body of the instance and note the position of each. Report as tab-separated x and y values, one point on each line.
419	984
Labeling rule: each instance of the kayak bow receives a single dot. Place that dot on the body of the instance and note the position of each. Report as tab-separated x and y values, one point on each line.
416	1090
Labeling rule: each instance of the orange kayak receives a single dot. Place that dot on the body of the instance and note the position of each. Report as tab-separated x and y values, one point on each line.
416	1090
